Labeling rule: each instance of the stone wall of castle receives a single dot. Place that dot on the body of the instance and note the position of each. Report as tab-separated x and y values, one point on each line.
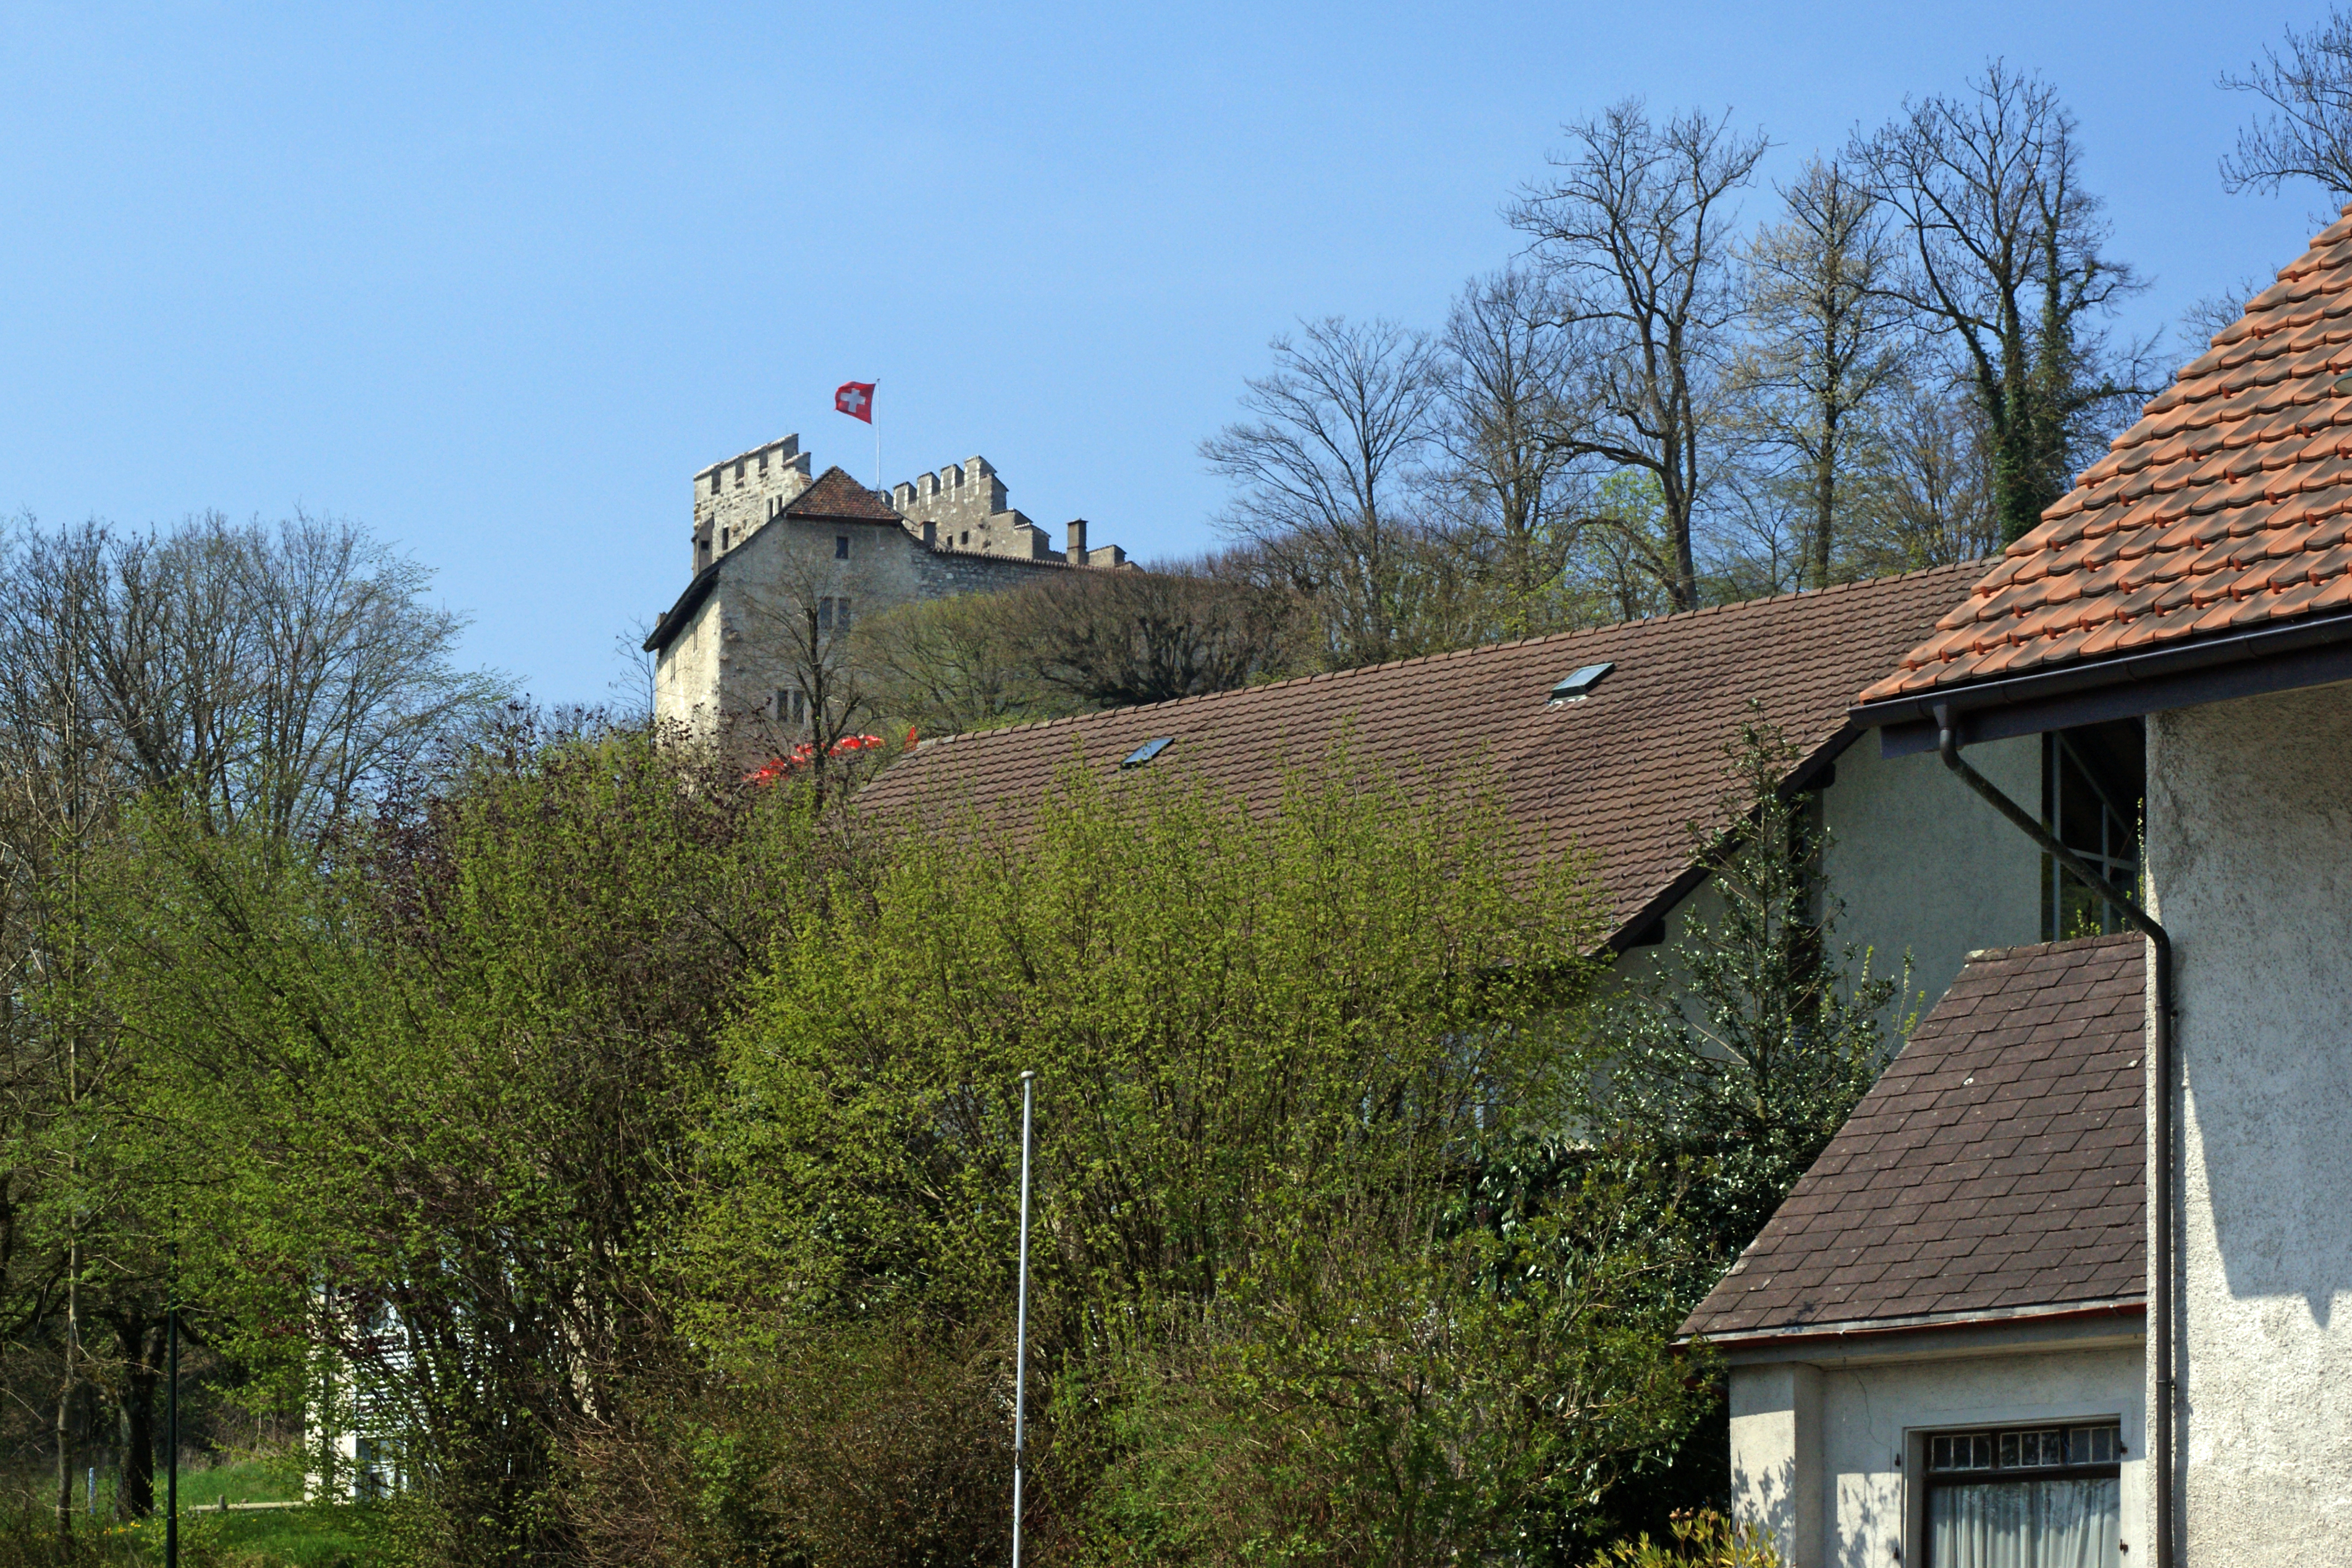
734	499
745	644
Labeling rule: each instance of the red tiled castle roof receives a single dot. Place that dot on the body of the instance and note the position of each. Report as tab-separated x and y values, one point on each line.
835	495
2227	507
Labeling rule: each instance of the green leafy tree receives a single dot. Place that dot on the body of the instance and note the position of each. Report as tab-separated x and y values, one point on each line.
1747	1047
1272	1052
426	1095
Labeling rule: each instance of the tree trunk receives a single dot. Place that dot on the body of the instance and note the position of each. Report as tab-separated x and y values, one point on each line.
134	1496
66	1386
1824	504
65	1462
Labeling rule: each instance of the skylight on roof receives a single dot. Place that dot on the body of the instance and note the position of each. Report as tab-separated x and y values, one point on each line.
1577	685
1146	752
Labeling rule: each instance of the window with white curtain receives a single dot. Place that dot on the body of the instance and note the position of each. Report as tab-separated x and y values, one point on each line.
2037	1497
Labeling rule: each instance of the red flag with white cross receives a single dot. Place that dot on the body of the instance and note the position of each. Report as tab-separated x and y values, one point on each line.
856	398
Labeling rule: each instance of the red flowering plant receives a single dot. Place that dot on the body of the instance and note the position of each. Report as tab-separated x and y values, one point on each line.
804	755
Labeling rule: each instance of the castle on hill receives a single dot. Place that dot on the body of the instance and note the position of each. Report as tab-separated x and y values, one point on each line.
786	563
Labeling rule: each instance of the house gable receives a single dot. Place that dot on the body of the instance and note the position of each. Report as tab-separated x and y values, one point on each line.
2207	556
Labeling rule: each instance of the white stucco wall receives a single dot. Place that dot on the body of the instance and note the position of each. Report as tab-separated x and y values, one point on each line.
1824	1453
2250	852
686	673
1924	866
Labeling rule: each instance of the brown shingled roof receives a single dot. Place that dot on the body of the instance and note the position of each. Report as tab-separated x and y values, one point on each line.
1620	774
835	495
1998	1166
2226	509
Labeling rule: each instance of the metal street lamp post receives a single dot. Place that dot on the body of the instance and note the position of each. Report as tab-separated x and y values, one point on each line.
1021	1315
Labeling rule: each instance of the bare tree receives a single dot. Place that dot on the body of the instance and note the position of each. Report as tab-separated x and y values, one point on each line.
2308	135
2209	316
823	700
948	667
1926	489
2008	263
1111	639
1318	473
1506	483
1826	332
265	676
1634	230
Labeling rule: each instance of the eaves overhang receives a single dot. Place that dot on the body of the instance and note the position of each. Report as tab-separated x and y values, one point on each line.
1946	1336
2314	652
1796	1336
673	619
1645	927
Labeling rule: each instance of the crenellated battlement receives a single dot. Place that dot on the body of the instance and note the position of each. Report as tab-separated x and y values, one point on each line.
965	502
734	498
720	649
961	508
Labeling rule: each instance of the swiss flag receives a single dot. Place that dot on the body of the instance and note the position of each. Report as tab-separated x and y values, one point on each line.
856	398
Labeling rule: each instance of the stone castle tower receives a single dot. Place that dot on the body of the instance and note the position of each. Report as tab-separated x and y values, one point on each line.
786	563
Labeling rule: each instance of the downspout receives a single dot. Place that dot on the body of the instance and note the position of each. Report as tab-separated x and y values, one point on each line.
2159	1208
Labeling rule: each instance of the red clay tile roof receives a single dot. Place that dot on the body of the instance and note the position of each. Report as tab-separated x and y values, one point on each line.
1998	1166
2228	507
837	495
1620	774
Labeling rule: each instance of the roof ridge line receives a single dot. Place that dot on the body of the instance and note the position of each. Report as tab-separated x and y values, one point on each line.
1444	653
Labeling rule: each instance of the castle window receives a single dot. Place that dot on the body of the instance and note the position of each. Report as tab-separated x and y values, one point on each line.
738	473
841	547
722	539
791	707
764	462
967	539
833	614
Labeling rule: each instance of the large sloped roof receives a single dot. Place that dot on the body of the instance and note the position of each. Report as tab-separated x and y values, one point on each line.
1620	774
2226	509
1997	1167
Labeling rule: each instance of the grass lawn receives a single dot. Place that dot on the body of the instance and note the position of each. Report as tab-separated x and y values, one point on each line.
321	1536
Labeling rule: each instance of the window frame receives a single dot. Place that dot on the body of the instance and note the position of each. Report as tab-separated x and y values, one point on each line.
2121	828
1931	1479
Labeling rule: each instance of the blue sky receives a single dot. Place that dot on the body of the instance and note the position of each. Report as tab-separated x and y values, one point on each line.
495	279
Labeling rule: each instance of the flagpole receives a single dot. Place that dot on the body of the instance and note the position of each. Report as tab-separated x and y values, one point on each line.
1021	1317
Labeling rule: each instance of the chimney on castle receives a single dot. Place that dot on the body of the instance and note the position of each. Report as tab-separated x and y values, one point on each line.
1076	554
